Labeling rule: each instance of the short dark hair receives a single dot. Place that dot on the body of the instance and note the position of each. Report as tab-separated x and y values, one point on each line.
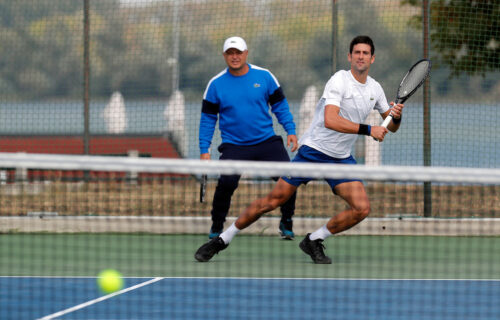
362	39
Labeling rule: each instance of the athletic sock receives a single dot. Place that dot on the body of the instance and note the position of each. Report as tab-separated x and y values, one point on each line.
228	235
322	233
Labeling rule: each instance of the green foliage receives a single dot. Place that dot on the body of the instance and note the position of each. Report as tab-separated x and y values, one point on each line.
465	34
132	48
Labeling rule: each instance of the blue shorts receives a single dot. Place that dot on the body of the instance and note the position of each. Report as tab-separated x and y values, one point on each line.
308	154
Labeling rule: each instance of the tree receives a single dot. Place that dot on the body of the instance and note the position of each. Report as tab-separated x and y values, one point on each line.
465	34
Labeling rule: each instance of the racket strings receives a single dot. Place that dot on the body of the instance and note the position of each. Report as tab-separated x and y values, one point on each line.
414	79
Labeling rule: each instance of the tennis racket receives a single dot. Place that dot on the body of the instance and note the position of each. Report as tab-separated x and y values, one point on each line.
412	80
203	188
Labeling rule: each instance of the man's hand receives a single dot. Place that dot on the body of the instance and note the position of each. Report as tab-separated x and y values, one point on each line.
292	139
397	110
205	156
378	133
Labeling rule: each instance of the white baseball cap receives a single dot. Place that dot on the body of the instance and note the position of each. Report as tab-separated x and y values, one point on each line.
235	42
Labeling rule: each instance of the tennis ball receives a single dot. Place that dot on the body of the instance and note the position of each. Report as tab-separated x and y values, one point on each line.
109	281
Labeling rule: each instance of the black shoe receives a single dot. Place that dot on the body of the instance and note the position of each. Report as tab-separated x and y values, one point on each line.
209	249
315	250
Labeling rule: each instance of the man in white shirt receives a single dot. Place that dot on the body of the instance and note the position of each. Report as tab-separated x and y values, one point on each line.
347	100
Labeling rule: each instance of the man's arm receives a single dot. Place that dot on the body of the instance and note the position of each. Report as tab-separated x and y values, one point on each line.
208	120
334	121
207	128
210	108
280	107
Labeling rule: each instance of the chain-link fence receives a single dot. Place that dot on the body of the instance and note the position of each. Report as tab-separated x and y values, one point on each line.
149	63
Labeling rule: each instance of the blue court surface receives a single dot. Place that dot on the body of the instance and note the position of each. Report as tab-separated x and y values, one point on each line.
246	298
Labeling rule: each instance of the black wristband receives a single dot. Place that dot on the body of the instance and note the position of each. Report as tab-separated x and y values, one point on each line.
397	121
364	129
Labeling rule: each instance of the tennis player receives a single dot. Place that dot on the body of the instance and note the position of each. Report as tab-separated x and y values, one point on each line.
239	97
348	98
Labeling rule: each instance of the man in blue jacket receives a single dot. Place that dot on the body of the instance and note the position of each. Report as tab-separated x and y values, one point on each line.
240	97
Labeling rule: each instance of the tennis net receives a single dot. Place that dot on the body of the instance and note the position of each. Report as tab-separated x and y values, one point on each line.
64	218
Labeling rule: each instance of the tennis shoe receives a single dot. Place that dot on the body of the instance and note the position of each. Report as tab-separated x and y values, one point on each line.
286	233
209	249
315	249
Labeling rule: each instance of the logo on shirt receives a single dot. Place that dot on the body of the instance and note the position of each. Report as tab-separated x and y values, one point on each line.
372	99
256	85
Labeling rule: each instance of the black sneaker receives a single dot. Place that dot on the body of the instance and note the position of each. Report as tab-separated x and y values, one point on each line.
315	250
209	249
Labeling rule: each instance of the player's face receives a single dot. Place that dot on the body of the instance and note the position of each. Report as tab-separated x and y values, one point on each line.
235	59
361	57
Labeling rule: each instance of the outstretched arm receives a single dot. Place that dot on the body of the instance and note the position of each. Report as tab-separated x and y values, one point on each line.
334	121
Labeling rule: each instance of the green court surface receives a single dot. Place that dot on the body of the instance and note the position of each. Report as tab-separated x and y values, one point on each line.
356	257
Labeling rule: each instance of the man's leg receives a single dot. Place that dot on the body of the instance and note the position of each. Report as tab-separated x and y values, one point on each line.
281	192
286	222
226	186
274	150
359	207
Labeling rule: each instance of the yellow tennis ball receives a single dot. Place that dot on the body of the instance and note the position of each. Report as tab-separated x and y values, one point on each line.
109	281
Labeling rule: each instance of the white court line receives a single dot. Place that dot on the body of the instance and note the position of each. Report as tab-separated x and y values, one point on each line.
67	277
91	302
338	279
269	278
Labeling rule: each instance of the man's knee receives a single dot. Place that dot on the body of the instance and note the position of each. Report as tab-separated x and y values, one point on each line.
361	211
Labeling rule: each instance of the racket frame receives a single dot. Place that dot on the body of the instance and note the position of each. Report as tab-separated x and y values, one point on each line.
400	99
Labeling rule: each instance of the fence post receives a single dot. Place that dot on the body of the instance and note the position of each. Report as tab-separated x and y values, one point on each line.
334	35
86	76
427	111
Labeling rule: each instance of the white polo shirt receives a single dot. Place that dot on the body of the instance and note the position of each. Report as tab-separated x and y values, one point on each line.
356	100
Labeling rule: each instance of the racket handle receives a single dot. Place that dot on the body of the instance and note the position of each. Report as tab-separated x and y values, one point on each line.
387	120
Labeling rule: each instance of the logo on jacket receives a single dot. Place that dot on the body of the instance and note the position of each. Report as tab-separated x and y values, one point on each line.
256	85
